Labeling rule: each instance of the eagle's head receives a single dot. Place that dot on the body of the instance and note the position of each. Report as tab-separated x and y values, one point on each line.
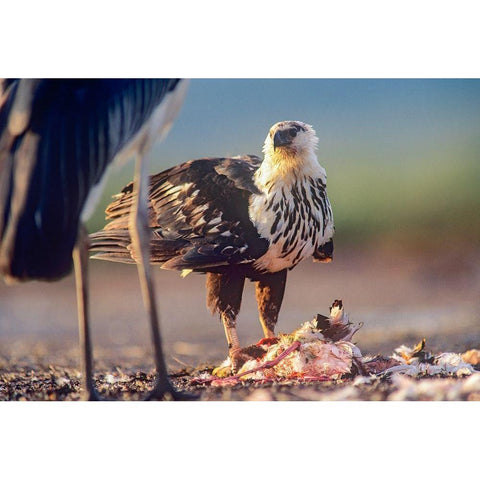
289	149
290	138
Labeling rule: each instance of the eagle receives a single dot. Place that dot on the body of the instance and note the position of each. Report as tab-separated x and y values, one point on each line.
234	218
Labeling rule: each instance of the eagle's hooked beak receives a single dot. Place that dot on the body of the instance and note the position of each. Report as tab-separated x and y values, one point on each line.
282	138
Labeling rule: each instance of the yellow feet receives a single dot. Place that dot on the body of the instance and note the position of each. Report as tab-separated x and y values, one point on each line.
222	371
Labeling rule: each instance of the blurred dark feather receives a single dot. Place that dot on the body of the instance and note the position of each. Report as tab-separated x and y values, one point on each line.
57	138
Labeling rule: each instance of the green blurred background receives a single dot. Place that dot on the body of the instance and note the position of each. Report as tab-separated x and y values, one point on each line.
402	156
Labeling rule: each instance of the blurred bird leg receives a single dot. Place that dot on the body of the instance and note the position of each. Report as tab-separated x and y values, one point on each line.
80	261
140	234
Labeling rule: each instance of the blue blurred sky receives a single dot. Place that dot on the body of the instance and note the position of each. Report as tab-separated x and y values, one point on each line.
371	120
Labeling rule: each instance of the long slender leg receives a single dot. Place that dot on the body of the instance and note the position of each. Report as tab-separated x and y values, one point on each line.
269	290
140	235
80	261
224	295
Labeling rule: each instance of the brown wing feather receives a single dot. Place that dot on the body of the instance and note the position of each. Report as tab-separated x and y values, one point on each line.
198	213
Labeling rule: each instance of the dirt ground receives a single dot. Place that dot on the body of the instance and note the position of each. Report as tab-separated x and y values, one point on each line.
399	298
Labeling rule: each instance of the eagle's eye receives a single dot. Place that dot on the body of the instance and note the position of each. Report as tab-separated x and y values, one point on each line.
293	132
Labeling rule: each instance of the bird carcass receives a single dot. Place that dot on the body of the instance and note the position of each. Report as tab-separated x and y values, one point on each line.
321	349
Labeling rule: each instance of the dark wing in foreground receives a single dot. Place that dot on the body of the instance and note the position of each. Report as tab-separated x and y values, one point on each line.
56	139
198	213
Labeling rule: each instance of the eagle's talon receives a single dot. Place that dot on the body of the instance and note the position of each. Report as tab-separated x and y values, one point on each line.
238	358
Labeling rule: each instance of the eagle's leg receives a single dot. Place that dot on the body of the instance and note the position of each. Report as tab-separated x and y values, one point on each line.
140	234
80	261
224	295
269	290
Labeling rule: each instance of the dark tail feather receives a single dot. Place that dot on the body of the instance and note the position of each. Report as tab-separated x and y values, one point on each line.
116	246
104	240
